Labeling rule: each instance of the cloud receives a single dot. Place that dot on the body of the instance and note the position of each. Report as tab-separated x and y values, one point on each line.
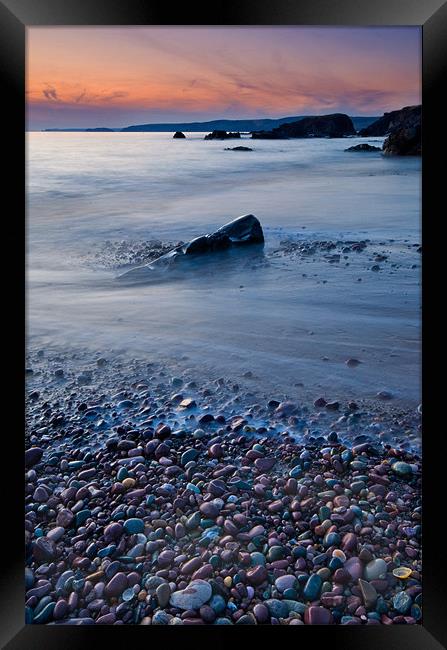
51	94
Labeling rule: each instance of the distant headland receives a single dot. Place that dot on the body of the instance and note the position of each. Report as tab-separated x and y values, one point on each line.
256	124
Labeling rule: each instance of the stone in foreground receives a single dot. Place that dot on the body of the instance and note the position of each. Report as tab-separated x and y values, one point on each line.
196	594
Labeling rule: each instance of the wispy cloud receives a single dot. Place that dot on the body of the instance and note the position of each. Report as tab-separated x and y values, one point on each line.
51	94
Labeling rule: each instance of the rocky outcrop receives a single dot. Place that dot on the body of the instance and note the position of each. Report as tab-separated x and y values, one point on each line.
179	134
238	149
268	135
405	141
407	116
242	231
337	125
222	135
363	147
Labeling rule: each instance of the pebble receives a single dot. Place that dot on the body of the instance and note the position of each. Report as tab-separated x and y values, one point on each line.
375	569
138	517
194	596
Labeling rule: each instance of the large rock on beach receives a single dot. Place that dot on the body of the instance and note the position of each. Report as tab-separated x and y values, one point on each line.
179	135
241	231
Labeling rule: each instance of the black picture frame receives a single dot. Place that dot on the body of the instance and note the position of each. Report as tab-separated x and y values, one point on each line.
15	16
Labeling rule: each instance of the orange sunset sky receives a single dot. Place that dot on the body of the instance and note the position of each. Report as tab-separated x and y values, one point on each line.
117	76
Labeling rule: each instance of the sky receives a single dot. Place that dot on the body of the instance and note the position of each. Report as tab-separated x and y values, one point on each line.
117	76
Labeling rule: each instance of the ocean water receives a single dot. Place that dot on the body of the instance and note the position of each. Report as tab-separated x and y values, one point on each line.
291	320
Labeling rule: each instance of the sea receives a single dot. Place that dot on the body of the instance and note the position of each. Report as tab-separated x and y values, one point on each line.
287	319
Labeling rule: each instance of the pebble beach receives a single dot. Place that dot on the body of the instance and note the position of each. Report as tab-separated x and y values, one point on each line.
155	498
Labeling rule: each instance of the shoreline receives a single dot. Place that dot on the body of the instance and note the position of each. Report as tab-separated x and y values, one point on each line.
149	482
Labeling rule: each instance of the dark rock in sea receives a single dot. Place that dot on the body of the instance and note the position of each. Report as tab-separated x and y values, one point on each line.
238	149
222	135
403	128
391	121
179	134
268	135
405	141
363	147
239	232
337	125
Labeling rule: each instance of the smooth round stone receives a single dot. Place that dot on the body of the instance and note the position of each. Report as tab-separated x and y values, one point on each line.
161	618
44	549
246	619
163	593
192	565
207	614
128	595
338	553
81	517
60	610
45	614
218	604
401	469
295	472
290	594
335	563
223	621
257	559
285	582
132	526
402	602
56	533
193	521
116	585
257	575
40	494
32	456
277	608
349	542
354	567
331	539
261	613
375	569
209	509
196	594
275	553
312	587
65	518
216	451
188	455
317	616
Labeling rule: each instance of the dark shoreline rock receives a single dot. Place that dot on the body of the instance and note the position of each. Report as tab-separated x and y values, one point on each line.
363	147
222	135
390	121
336	125
179	135
403	129
238	149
